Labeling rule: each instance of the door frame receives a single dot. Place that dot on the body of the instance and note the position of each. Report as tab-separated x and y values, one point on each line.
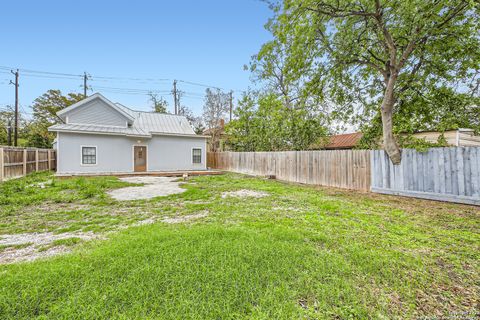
133	156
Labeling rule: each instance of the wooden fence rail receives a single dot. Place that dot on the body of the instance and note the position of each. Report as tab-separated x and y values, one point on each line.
17	162
348	169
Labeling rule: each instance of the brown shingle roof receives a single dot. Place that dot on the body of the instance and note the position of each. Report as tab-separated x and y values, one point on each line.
344	141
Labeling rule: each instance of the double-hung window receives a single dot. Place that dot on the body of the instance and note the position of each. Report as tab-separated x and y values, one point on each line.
89	155
197	155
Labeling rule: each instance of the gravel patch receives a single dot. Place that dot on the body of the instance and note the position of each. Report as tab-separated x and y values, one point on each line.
244	193
36	240
153	187
42	238
12	255
181	219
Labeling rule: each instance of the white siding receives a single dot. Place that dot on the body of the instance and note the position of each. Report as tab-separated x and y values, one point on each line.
169	153
115	153
97	112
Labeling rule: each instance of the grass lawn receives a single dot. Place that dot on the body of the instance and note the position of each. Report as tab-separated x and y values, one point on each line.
298	252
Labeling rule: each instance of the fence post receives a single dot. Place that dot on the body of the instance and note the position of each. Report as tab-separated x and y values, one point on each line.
2	169
48	160
36	160
24	162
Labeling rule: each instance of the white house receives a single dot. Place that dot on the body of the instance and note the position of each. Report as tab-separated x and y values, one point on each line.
99	136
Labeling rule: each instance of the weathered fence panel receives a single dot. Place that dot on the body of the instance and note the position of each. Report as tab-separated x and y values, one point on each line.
17	162
348	169
446	174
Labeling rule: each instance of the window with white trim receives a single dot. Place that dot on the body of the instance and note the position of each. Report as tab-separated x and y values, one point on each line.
89	155
197	155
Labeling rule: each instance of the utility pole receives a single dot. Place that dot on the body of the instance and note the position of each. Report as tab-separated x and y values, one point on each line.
231	104
15	133
85	78
175	95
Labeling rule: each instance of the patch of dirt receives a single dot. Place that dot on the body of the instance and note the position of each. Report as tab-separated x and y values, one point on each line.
244	193
181	219
12	255
153	187
36	241
49	207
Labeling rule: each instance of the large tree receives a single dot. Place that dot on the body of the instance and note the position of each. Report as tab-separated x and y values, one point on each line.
45	110
373	54
7	118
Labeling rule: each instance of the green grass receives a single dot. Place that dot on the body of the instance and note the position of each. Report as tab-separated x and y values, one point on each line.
301	252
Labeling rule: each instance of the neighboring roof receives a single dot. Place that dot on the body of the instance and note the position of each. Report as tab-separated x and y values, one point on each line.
344	141
143	124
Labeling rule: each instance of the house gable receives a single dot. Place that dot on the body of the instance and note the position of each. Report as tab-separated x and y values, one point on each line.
96	110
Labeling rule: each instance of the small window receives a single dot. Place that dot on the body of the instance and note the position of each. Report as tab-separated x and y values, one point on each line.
89	155
197	155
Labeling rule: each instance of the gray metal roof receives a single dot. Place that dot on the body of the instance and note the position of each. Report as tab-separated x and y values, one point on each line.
153	122
144	124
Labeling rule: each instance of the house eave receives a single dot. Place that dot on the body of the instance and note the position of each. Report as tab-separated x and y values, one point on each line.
100	133
128	134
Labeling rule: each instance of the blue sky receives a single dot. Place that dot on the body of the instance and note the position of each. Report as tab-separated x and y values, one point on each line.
205	42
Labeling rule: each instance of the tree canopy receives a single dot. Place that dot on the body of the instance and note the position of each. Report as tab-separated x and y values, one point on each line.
159	104
382	58
45	110
263	123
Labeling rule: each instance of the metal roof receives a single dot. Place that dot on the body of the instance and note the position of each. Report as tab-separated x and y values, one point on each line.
144	124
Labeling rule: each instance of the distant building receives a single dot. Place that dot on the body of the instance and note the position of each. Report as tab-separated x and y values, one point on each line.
457	138
343	141
216	138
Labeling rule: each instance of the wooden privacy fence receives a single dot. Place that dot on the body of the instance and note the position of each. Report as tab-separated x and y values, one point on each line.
17	162
337	168
447	174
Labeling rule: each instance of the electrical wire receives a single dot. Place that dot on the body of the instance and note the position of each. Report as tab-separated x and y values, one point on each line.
59	75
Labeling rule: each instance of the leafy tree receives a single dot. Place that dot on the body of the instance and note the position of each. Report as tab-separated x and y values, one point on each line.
7	117
376	54
198	125
159	104
45	110
185	111
215	110
263	123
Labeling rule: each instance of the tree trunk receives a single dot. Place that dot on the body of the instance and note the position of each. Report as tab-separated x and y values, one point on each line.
389	143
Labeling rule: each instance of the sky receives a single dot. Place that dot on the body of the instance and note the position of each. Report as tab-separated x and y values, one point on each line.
141	45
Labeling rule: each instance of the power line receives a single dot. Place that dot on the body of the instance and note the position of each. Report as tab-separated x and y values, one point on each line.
60	75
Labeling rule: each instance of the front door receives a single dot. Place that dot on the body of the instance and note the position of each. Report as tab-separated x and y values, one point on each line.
140	158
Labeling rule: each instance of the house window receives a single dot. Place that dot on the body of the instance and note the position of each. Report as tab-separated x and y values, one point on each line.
89	155
197	155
